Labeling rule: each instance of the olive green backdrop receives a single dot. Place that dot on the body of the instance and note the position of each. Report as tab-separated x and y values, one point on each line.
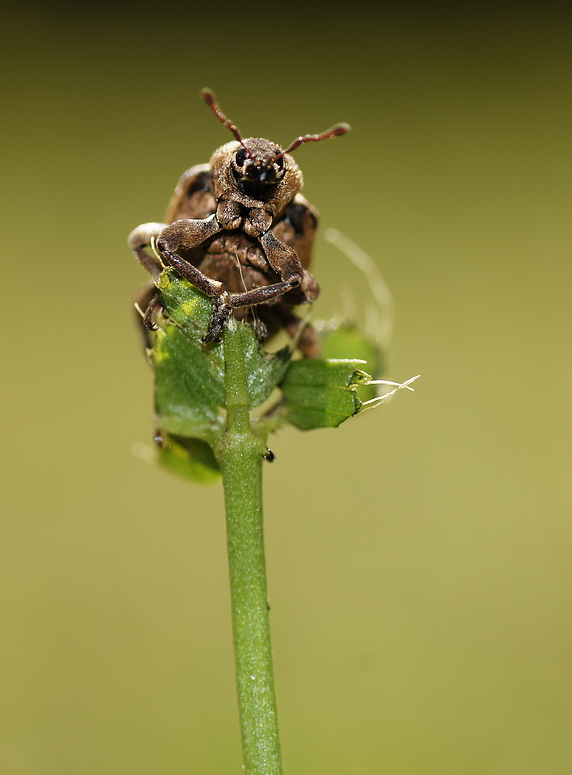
419	556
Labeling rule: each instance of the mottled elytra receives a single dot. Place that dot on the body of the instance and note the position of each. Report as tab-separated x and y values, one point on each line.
239	230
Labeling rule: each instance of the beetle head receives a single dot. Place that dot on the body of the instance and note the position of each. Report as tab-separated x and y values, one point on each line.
259	165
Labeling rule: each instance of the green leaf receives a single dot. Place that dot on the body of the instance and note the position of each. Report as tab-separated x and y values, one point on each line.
188	388
190	380
263	370
189	373
322	394
191	458
346	340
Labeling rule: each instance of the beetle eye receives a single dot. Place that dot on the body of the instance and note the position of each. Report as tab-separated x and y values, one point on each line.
240	157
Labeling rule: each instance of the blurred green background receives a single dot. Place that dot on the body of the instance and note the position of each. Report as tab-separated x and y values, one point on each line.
419	556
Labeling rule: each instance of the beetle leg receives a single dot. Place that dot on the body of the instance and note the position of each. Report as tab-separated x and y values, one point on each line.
139	239
260	327
187	233
189	272
212	288
228	214
219	318
285	262
153	307
282	258
225	303
309	287
257	222
258	295
144	302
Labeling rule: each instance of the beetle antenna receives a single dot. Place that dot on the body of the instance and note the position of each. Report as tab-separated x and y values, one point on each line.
210	99
335	131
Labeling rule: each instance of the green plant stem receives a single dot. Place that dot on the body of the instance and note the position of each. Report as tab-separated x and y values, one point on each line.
240	453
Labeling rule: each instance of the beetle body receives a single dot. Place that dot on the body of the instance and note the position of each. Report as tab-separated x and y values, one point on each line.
239	230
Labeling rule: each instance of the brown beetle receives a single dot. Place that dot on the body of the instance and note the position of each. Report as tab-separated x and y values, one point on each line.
239	230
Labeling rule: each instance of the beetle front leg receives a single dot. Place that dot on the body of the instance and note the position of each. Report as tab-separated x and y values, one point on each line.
226	302
189	233
285	262
141	238
189	272
258	295
282	258
212	288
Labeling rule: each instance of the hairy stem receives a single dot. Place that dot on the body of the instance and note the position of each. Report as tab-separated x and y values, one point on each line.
240	456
